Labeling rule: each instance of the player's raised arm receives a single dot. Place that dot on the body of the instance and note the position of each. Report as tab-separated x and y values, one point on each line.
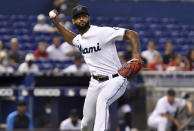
67	35
134	38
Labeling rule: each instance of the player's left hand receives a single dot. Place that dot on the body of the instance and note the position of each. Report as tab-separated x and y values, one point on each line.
131	68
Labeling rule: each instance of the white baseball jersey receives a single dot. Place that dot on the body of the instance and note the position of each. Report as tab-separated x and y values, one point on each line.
163	106
68	125
99	50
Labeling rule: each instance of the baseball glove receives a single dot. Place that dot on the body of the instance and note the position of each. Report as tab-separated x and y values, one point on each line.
131	68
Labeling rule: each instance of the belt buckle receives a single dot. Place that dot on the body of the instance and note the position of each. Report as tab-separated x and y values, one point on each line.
99	77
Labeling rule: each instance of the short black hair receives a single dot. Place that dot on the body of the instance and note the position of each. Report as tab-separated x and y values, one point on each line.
21	103
74	113
171	92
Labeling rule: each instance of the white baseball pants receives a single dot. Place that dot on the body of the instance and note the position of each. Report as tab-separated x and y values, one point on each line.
99	97
158	122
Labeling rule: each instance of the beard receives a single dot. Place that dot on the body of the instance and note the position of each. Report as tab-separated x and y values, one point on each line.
82	28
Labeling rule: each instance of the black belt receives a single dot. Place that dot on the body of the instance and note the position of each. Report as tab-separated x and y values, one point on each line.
103	78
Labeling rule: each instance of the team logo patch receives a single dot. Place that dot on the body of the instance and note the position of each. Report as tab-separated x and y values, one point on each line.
79	8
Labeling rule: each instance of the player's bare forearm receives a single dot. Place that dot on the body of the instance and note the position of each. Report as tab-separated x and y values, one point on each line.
67	35
134	39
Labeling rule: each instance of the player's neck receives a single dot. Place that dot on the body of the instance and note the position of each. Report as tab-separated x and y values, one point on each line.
82	32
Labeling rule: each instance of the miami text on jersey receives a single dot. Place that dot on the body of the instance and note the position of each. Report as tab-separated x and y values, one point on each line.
89	49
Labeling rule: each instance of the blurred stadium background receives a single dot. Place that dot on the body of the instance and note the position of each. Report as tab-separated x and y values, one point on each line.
157	20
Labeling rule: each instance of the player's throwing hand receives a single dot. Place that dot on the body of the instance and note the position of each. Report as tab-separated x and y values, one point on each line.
53	16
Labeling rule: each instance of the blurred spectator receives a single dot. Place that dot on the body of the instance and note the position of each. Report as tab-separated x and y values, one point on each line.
176	64
16	56
44	118
60	5
65	6
157	64
41	52
190	60
69	51
128	53
2	47
72	123
58	51
149	53
19	119
4	63
42	26
62	21
78	66
28	66
55	50
168	54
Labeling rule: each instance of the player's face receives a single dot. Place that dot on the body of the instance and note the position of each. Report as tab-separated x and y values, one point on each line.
169	46
21	109
170	99
151	45
81	21
56	41
74	119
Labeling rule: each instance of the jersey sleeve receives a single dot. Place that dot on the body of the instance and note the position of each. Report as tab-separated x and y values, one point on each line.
112	34
180	102
161	107
76	41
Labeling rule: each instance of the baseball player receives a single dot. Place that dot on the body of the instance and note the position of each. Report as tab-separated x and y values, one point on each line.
98	48
166	107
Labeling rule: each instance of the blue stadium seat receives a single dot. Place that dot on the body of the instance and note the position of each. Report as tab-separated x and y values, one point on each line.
4	24
169	21
171	27
117	20
17	18
140	27
136	20
151	20
154	27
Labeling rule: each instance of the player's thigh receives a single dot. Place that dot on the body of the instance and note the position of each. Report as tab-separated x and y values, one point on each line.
90	100
153	122
112	90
